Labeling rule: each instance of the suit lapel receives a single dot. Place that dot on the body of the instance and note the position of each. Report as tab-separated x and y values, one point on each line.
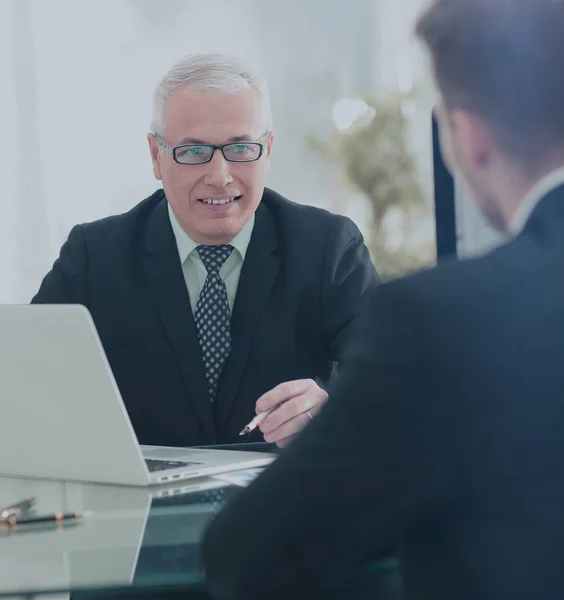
258	274
164	271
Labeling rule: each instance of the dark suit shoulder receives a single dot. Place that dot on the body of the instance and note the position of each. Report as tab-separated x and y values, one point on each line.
484	279
475	300
304	220
118	225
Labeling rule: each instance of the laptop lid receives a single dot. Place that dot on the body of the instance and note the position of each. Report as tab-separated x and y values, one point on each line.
62	414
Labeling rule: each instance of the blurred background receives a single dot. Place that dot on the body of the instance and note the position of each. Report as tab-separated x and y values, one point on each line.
351	101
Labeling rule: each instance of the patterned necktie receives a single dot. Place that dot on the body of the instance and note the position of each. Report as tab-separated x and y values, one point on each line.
213	315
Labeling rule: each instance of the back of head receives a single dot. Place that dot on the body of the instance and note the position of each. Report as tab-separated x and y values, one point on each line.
502	60
209	72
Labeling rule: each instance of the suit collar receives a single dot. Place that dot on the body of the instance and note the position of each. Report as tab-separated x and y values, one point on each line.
541	190
186	245
160	237
549	209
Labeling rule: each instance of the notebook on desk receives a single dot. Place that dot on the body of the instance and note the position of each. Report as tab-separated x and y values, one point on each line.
63	413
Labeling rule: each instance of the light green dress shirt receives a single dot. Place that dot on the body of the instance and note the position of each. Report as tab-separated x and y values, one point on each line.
193	268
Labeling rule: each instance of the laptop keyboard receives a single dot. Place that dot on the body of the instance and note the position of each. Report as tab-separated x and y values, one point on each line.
214	498
164	465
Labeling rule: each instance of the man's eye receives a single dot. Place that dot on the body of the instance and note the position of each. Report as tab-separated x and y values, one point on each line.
197	150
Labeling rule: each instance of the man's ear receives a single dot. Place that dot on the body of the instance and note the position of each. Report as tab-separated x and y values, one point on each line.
268	151
155	156
269	144
473	137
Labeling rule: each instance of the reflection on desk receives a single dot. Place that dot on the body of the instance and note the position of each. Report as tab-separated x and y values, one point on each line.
137	537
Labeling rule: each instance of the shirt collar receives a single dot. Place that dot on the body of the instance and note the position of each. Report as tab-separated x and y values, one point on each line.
539	191
186	245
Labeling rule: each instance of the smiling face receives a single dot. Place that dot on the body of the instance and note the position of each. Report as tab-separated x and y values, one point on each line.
213	201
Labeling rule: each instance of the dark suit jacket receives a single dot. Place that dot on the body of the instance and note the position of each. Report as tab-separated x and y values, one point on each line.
304	274
444	439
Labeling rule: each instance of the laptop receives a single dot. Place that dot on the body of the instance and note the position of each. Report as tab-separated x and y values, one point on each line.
63	416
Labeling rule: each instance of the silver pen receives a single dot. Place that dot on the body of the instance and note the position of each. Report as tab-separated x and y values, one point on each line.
255	422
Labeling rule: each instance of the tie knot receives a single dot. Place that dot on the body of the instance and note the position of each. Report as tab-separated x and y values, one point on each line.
213	257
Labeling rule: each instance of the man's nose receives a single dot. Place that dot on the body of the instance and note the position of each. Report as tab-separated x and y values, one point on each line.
218	173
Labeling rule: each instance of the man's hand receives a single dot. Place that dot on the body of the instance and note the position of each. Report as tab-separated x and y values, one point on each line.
294	404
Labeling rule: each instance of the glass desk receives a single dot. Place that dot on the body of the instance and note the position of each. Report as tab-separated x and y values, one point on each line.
135	539
139	540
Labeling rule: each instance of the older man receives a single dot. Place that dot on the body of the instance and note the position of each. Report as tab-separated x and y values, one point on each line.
444	439
216	298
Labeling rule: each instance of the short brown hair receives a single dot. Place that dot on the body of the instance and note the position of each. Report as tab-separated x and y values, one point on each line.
502	59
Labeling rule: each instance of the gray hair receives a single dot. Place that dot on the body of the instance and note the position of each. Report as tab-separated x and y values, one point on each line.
208	72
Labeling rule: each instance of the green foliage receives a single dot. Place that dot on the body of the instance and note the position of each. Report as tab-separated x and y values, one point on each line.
374	156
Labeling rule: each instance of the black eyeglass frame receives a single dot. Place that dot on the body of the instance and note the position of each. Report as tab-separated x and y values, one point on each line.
172	150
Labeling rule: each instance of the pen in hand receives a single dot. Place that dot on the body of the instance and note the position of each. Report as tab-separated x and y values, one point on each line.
255	422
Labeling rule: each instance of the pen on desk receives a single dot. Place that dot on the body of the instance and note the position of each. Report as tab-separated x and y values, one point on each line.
13	521
255	422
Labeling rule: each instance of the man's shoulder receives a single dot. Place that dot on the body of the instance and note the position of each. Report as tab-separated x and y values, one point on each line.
126	221
437	309
461	286
303	219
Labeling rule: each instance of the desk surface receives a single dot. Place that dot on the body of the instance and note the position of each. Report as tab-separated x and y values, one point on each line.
140	538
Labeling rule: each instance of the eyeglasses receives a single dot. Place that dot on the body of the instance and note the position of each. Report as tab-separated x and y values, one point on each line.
198	154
